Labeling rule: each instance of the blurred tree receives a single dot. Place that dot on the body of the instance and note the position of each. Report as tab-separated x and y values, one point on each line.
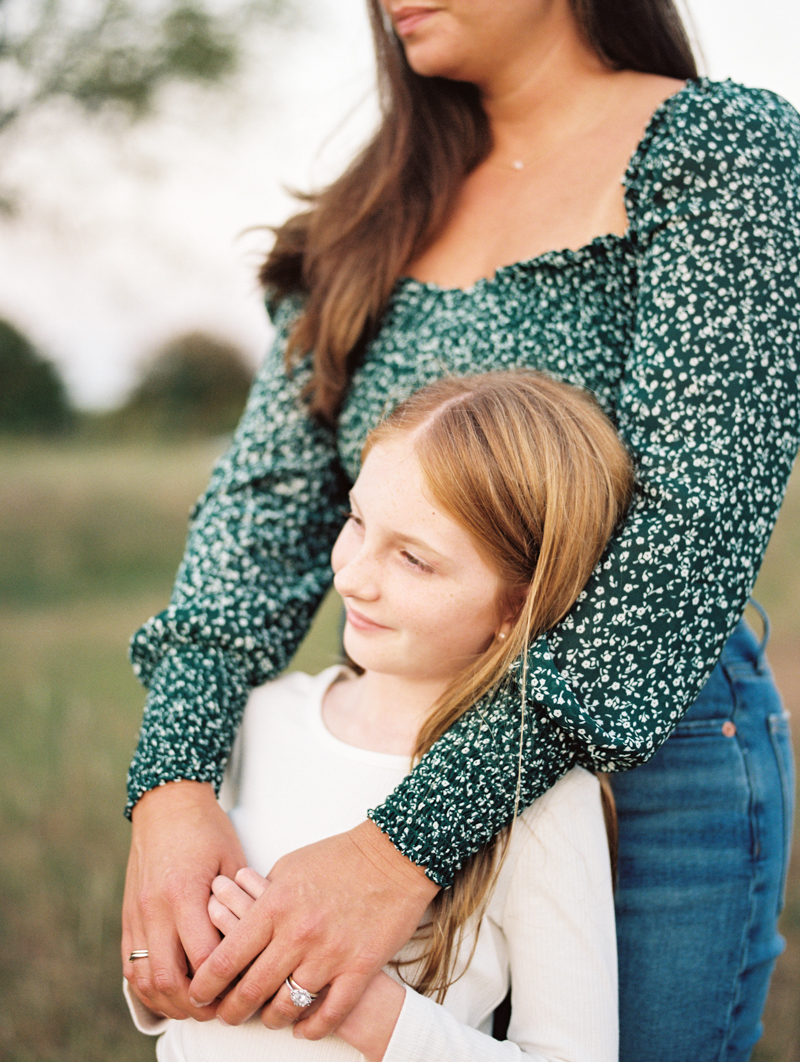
196	385
117	53
115	56
33	399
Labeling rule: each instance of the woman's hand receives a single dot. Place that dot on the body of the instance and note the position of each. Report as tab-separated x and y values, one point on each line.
370	1024
331	914
181	840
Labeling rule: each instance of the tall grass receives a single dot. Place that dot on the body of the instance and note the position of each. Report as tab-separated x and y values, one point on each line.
89	540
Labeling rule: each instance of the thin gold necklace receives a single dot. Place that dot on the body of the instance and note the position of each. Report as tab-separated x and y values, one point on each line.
521	162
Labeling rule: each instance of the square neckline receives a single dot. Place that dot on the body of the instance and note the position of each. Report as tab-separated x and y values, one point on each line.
608	241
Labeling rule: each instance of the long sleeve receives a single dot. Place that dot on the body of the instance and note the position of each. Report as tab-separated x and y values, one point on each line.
708	404
256	565
556	918
707	400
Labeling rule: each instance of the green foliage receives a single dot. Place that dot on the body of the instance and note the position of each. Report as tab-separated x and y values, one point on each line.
117	54
33	399
195	386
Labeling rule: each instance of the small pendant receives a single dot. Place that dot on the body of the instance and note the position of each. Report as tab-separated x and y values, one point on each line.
518	164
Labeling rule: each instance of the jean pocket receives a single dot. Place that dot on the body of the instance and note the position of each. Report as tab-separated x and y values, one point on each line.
778	725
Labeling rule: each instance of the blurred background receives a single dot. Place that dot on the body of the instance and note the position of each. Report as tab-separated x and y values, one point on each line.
143	149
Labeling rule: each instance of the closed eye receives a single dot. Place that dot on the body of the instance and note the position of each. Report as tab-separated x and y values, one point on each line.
351	517
415	562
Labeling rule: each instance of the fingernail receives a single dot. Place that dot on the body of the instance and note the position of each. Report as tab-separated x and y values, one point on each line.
197	1003
222	1021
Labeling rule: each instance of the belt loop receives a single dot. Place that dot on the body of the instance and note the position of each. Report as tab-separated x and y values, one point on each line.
765	637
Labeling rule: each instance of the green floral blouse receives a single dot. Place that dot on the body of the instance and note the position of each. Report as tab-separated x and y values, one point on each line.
686	329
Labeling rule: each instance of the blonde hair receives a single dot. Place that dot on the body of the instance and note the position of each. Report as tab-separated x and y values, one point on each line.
533	469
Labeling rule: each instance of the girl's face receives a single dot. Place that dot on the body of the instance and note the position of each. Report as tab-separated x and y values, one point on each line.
421	600
471	40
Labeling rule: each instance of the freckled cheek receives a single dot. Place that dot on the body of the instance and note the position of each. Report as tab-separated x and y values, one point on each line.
423	614
443	618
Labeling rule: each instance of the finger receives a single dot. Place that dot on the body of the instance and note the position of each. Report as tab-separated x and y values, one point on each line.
139	972
161	981
338	1000
222	917
146	982
236	952
251	882
196	933
285	1009
258	984
231	896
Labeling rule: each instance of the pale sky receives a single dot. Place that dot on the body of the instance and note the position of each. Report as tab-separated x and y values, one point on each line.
114	259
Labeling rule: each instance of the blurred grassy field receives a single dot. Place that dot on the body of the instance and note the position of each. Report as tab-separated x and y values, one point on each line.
89	540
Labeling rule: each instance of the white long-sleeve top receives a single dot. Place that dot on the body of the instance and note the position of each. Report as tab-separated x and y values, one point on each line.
548	930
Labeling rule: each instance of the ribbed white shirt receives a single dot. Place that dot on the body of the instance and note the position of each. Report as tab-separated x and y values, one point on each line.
548	930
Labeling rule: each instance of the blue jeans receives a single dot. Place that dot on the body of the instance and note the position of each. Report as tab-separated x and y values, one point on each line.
704	847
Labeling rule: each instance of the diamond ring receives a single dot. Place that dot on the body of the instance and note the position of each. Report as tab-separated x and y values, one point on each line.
301	997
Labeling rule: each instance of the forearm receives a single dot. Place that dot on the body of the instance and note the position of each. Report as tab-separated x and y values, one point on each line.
709	404
194	706
462	793
255	568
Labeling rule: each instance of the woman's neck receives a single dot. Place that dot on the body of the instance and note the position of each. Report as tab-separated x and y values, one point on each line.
382	713
562	96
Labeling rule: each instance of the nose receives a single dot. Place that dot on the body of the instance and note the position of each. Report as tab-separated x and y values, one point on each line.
356	574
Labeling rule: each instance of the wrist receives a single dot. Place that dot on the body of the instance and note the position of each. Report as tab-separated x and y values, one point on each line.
172	797
377	847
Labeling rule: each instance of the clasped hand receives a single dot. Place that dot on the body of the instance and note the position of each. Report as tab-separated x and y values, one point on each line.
330	915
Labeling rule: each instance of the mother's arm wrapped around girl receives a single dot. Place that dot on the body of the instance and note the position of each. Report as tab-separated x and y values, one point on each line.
705	397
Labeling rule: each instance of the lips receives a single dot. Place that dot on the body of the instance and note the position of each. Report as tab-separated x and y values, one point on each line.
363	623
407	19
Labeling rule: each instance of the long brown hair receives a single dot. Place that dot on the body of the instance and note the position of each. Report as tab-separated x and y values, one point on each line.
345	252
535	472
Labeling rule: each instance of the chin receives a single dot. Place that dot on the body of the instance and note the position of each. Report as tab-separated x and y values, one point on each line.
434	56
427	65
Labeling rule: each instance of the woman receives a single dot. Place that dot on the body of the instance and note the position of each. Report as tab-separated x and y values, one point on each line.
508	126
481	507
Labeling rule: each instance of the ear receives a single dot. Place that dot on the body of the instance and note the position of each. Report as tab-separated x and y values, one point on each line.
511	606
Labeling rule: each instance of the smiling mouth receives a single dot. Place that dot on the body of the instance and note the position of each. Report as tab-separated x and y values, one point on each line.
363	623
407	19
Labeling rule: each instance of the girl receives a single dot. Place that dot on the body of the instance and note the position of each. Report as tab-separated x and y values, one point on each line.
481	508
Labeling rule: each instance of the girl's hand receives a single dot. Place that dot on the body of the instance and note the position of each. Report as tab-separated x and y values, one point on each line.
181	841
370	1024
331	914
231	900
